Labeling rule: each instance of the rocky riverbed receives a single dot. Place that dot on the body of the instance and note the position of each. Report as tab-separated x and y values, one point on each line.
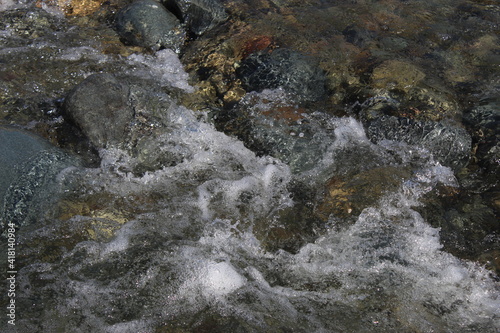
252	165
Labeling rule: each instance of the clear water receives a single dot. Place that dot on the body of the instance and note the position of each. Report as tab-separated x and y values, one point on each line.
182	248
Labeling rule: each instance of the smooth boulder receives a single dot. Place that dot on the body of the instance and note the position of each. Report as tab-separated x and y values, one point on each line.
100	107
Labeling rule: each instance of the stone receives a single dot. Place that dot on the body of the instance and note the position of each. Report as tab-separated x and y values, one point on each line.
100	107
29	166
198	15
449	144
148	24
396	74
348	196
73	7
283	68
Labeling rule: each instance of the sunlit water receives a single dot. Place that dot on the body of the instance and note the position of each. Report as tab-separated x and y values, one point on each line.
177	249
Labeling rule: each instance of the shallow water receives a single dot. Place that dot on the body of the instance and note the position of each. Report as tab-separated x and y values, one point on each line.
231	232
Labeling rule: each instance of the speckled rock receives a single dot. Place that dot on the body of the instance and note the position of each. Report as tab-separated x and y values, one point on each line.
148	24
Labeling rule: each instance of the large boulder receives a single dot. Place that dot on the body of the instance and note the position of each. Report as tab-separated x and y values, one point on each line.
100	107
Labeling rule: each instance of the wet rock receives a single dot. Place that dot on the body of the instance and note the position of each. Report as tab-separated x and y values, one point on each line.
349	196
358	36
75	7
269	126
198	15
29	166
153	153
449	144
468	225
100	107
285	68
396	74
483	120
148	24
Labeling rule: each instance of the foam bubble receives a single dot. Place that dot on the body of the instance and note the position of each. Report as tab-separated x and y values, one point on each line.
219	279
164	66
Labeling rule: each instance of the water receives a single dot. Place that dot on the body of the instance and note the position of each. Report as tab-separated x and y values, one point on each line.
229	233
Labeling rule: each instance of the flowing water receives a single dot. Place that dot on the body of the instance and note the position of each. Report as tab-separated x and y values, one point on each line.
104	244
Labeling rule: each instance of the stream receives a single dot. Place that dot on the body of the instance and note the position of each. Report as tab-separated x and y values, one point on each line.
317	166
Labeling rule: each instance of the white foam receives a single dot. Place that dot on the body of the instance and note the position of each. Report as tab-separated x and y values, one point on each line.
81	52
219	279
10	4
348	130
164	66
135	326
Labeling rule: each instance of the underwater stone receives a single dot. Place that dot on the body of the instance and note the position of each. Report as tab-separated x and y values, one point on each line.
396	74
99	106
29	166
449	144
288	69
147	23
198	15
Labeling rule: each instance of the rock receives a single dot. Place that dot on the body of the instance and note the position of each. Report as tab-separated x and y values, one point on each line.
29	166
285	68
74	7
198	15
358	36
396	74
100	107
483	120
269	126
449	144
348	196
148	24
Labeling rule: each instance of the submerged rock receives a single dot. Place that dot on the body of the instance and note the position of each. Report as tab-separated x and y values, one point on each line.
283	68
449	144
396	74
348	196
198	15
148	24
29	166
100	107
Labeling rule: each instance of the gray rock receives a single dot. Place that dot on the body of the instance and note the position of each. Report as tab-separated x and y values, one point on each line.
28	167
288	69
100	107
147	23
198	15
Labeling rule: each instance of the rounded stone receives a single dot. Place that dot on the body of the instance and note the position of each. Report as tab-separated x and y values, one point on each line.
100	107
148	24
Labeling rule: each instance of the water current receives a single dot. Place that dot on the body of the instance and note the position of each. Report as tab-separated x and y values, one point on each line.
191	225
